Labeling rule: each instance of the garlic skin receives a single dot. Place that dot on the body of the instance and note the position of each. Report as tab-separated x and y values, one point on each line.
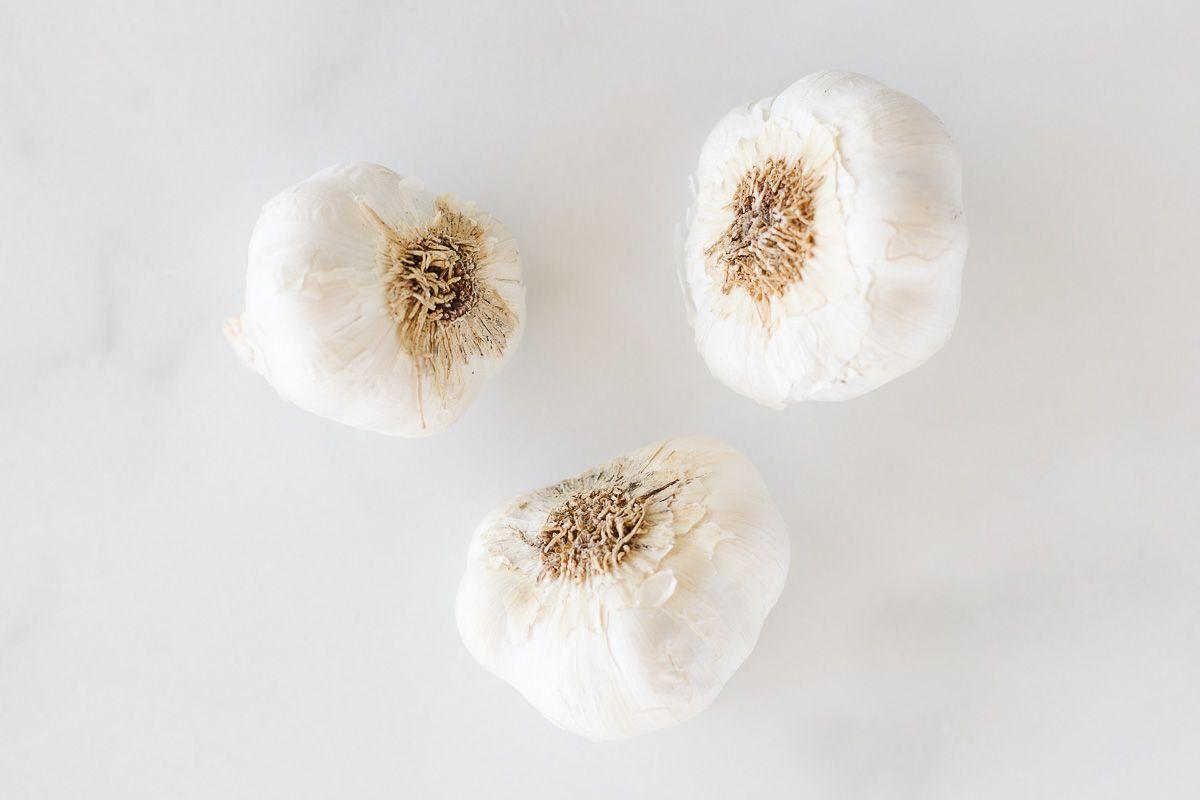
372	302
825	250
620	601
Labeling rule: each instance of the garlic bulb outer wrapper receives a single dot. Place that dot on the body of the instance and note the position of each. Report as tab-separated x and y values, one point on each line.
377	304
620	601
825	249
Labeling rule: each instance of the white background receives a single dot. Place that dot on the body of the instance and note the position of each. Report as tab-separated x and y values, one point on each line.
207	593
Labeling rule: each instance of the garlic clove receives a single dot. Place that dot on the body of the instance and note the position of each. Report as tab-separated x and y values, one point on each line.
377	304
620	601
825	251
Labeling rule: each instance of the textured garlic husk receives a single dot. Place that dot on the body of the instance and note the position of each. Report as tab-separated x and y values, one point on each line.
620	601
825	250
375	303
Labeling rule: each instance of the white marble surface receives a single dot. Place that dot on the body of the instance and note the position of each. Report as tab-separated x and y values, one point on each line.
207	593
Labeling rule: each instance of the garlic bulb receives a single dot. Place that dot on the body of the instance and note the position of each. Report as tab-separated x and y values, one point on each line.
621	600
825	251
374	303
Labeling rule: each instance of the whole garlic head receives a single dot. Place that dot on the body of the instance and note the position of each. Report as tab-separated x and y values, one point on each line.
620	601
372	302
825	251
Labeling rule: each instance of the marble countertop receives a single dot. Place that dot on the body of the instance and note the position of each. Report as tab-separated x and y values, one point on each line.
206	592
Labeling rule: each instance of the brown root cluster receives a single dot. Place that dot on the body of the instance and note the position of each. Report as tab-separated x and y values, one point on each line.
765	248
438	293
592	531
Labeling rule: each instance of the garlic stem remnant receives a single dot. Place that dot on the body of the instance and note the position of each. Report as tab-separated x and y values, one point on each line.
592	531
764	249
445	313
374	303
621	600
825	250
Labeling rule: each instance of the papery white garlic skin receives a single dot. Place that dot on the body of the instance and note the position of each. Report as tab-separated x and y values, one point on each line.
878	290
619	649
322	328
